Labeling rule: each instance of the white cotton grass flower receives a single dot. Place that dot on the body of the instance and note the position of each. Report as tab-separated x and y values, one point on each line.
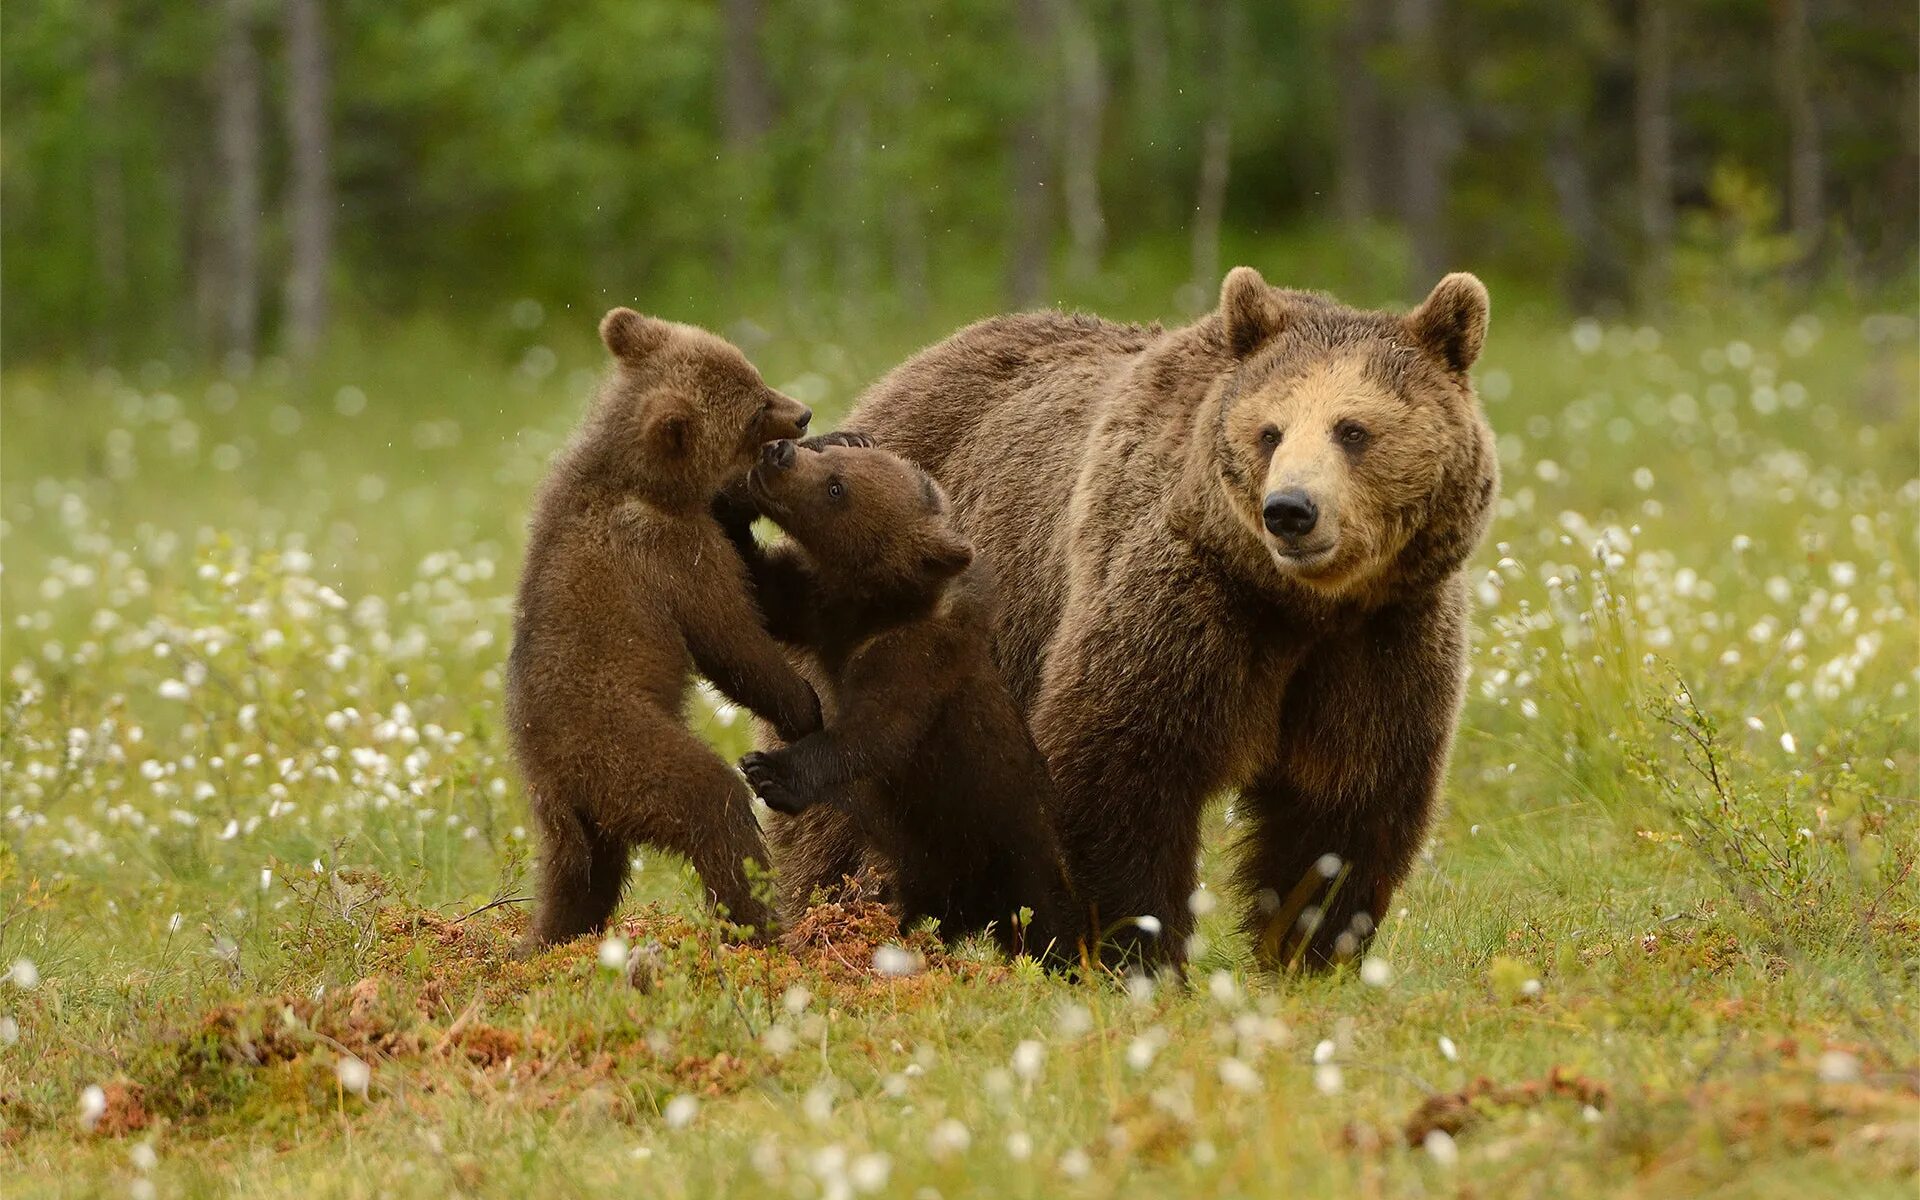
1376	972
1838	1066
1140	989
796	999
1019	1145
1148	924
175	689
949	1137
354	1075
1328	1079
9	1031
1789	744
93	1106
869	1172
818	1104
24	974
1028	1059
1202	901
1323	1051
1448	1050
613	952
1140	1053
1075	1164
1239	1076
896	962
1072	1020
143	1155
680	1111
1222	987
1441	1147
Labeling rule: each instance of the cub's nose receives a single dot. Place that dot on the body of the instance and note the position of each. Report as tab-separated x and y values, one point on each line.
1291	513
778	455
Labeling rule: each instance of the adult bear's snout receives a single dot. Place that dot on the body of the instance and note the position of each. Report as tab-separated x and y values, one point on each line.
1290	513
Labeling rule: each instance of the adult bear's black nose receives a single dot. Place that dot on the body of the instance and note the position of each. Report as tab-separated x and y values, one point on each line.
1290	513
800	422
778	455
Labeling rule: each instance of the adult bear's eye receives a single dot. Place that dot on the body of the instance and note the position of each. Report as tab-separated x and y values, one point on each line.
1269	437
834	489
1351	434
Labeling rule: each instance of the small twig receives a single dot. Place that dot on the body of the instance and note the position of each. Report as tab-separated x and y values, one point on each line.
458	1027
493	904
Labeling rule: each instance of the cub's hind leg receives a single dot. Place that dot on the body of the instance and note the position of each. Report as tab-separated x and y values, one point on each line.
683	797
581	874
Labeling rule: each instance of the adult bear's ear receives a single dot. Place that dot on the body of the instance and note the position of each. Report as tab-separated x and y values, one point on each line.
1451	323
947	554
631	337
1249	311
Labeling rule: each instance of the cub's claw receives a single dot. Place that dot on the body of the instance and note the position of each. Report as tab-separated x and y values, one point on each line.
762	770
839	437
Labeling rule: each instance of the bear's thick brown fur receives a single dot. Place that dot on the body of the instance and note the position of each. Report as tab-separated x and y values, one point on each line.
924	768
1231	559
630	585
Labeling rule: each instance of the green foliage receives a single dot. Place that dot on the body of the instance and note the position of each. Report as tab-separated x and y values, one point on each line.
578	155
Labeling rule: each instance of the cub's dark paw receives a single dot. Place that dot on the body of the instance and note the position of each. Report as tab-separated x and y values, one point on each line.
764	775
839	437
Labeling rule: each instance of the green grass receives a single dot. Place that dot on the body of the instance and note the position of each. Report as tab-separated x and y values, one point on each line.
253	771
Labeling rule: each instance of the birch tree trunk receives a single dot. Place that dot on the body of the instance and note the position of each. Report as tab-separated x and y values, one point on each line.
310	196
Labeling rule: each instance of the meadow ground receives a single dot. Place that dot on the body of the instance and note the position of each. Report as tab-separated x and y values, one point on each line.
1666	939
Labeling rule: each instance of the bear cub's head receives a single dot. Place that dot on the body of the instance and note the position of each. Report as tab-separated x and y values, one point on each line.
684	411
1350	442
876	524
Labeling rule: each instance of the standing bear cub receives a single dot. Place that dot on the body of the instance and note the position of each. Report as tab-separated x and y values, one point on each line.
924	768
630	585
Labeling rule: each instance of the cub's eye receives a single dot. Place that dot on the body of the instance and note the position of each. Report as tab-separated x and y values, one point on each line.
1269	437
1351	433
834	489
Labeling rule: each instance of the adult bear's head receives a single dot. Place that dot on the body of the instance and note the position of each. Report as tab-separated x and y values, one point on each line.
1350	443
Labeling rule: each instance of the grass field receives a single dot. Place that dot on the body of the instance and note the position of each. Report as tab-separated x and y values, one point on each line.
1666	940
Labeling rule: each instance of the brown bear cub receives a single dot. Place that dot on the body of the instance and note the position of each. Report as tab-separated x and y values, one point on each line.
924	751
630	585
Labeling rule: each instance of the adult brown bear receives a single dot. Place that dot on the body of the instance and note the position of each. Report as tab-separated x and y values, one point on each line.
1232	559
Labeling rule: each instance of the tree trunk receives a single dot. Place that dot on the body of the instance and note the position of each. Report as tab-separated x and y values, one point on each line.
237	122
1793	73
1216	144
1086	105
105	79
746	116
1579	215
1425	129
905	220
1147	34
1363	135
1653	137
1029	211
310	186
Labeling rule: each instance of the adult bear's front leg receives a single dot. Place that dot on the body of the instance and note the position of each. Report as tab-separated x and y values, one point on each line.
1136	730
1332	827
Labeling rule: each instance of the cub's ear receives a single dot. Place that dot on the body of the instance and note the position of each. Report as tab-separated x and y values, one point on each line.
631	337
1451	323
667	426
947	554
1249	311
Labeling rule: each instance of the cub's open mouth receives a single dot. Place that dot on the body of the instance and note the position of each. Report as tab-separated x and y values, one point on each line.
761	493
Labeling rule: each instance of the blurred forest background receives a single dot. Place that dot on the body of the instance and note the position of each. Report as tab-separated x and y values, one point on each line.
204	179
